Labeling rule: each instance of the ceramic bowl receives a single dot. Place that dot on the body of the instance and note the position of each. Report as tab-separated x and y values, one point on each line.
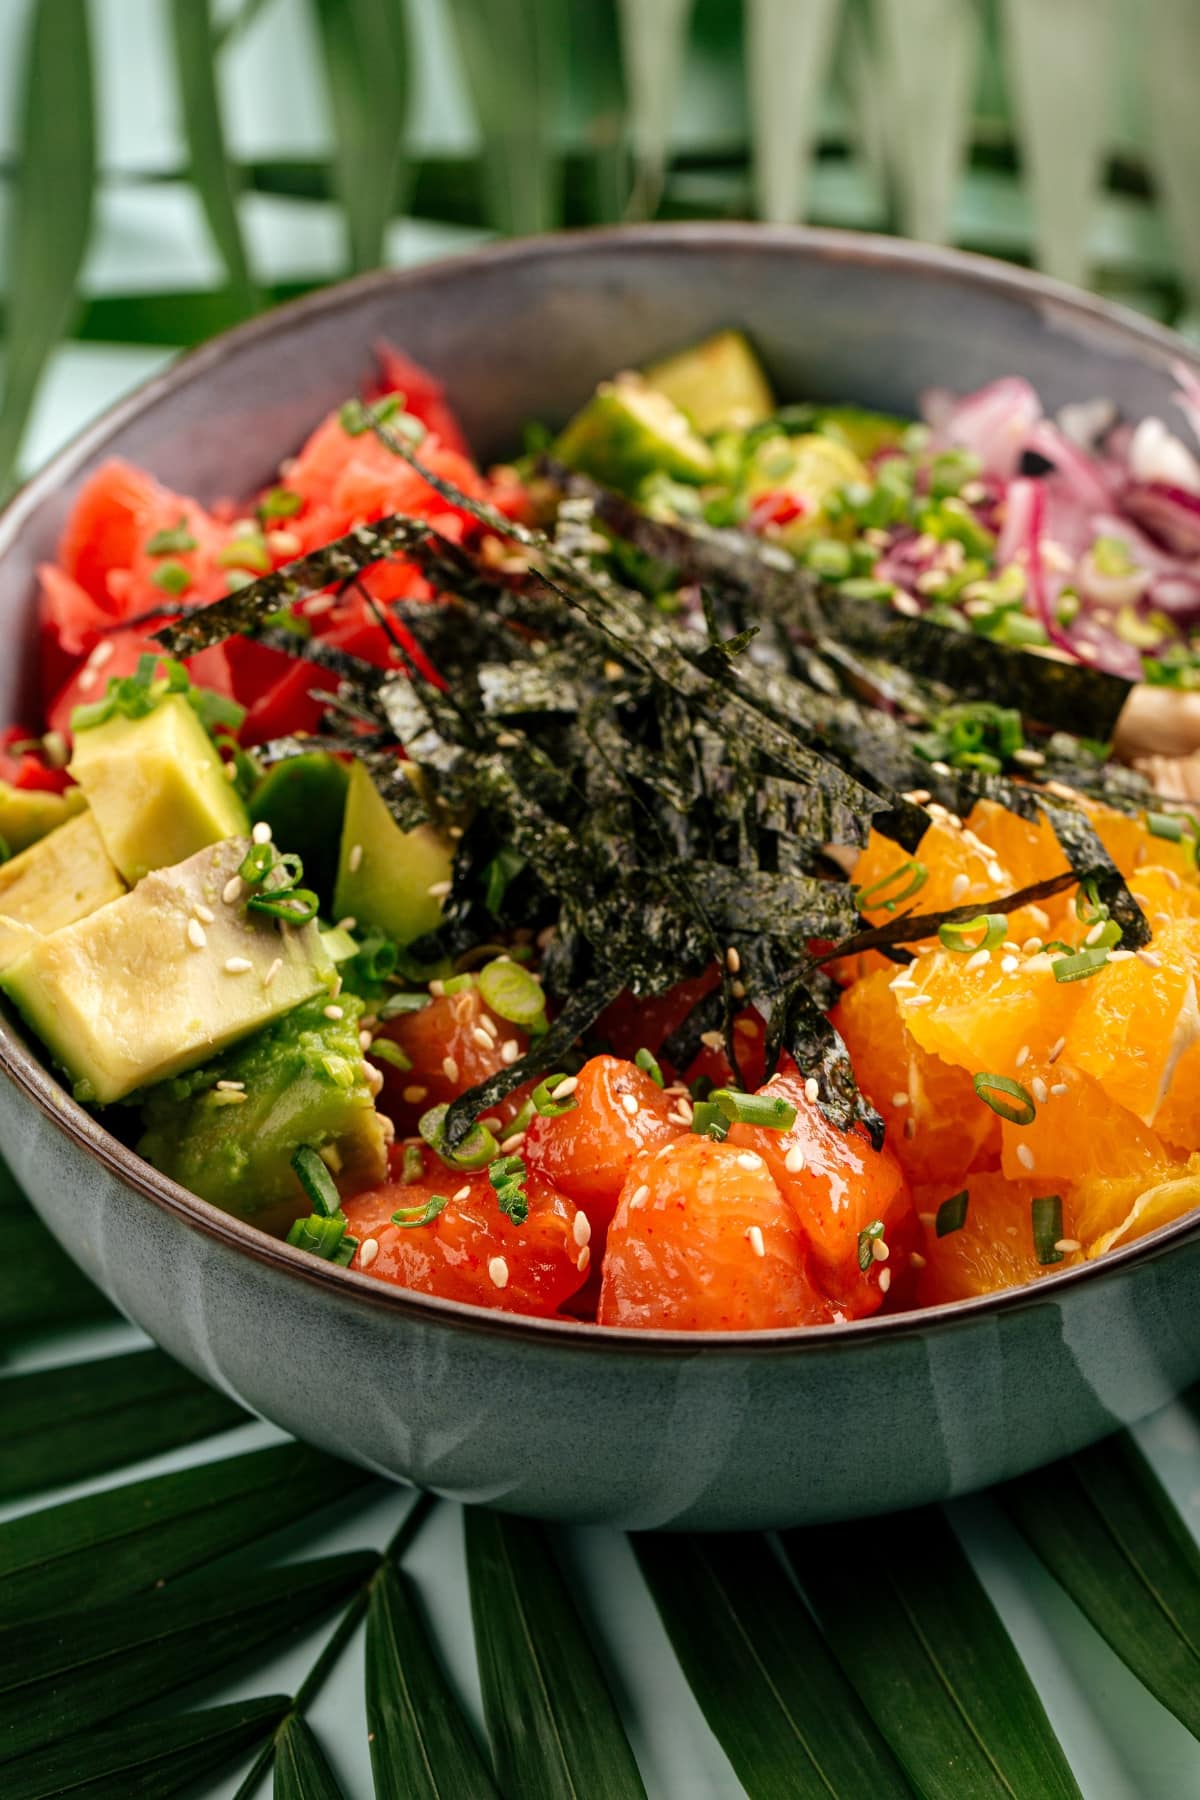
557	1419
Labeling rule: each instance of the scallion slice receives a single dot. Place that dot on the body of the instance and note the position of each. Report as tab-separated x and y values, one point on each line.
890	890
257	863
507	1176
409	1216
648	1063
316	1181
868	1237
396	1005
1166	825
412	1166
1080	965
1047	1227
952	1213
1089	908
544	1103
384	1050
324	1236
458	984
982	933
295	906
769	1110
476	1149
511	993
708	1120
1006	1097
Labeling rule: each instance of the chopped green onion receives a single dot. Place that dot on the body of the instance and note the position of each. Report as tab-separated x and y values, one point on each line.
1006	1097
384	1050
522	1120
908	879
507	1176
280	503
172	578
316	1181
1057	944
291	866
771	1111
396	1005
511	993
476	1149
1166	825
174	540
325	1236
375	959
867	1238
648	1063
708	1120
544	1103
295	906
1089	908
355	416
458	984
412	1166
1047	1227
257	863
1081	964
408	1216
952	1214
993	929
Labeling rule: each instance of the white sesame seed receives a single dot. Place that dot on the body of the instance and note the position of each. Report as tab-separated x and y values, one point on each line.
754	1233
348	923
512	1143
749	1159
916	1260
1120	956
333	1012
261	833
630	1103
498	1270
682	1113
995	872
368	1251
273	971
481	1037
900	1098
1066	1244
1031	946
885	1280
195	934
793	1162
1025	1156
1009	965
490	1122
1171	878
1061	1087
101	654
450	1068
238	965
880	1250
1151	957
566	1088
231	893
958	888
87	679
917	796
581	1231
413	1096
639	1198
940	768
230	1087
738	989
437	890
812	1092
365	1040
713	1040
509	1051
462	1193
1022	1056
1056	1050
583	1259
437	989
205	914
354	860
920	1000
320	603
1039	1090
903	984
1011	947
733	961
506	740
979	959
1096	933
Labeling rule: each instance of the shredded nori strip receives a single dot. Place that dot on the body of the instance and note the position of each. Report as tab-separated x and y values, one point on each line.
1090	861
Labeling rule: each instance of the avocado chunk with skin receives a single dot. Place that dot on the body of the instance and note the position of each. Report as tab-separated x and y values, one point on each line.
384	873
164	978
157	787
228	1131
628	430
27	814
303	800
63	877
719	384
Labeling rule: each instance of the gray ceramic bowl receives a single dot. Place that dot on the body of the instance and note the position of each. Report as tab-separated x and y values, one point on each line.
559	1419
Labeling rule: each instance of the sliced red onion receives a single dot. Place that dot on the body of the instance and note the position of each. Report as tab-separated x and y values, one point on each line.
1169	514
1188	397
993	422
1085	475
1125	589
1157	456
1177	595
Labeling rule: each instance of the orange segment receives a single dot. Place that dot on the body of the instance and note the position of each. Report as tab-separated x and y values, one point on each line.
1165	895
993	1249
936	1127
1137	1017
979	1012
1076	1131
1112	1211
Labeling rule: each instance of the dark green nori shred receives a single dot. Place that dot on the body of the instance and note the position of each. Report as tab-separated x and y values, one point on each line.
1090	861
911	928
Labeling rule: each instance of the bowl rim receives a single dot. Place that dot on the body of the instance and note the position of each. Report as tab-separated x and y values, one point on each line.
31	1078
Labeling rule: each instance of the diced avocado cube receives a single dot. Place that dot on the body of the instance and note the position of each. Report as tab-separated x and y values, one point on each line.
157	787
303	800
719	384
63	877
27	814
163	978
809	469
384	873
626	431
229	1131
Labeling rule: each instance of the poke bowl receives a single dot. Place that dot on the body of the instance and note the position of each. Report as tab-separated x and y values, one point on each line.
572	930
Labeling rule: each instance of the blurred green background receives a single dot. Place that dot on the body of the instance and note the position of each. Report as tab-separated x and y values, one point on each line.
171	166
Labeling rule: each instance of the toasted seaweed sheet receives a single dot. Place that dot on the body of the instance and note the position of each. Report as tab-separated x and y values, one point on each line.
661	785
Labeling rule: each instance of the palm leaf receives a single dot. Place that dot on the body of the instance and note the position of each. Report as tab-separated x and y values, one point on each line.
39	1284
421	1745
150	1758
1109	1535
1169	35
788	51
514	58
918	1637
773	1696
64	1424
927	105
1061	62
301	1769
212	172
237	22
51	206
128	1539
594	71
554	1729
365	54
653	43
63	1675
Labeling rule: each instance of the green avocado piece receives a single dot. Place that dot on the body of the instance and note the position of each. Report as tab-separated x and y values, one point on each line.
385	874
810	468
303	800
864	432
719	384
27	814
163	978
63	877
228	1131
627	431
157	787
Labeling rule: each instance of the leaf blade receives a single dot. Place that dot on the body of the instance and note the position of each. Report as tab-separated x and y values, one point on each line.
212	171
302	1771
921	1642
366	59
422	1747
512	52
558	1736
772	1694
150	1758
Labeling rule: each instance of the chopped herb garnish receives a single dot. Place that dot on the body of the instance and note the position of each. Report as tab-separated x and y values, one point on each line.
257	864
648	1063
1170	825
890	890
868	1237
1081	963
280	503
396	1005
983	933
769	1111
412	1164
1089	908
174	540
1006	1097
507	1176
952	1213
384	1050
324	1236
316	1181
172	578
294	906
543	1097
709	1120
476	1149
409	1216
512	993
1047	1227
